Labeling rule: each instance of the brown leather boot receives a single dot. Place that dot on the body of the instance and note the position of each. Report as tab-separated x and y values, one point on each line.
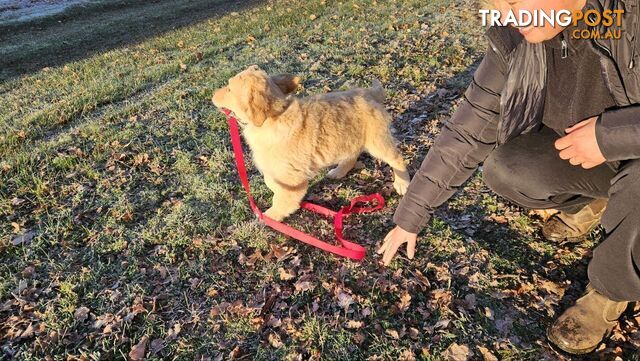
572	228
581	328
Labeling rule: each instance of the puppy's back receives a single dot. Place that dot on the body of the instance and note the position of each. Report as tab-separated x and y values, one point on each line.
376	93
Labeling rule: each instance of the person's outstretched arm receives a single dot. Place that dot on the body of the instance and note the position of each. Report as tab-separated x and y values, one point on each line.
464	142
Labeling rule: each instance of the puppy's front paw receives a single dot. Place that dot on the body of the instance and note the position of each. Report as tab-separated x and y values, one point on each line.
336	173
401	186
275	214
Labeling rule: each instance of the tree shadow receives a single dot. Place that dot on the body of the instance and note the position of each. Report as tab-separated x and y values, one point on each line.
86	29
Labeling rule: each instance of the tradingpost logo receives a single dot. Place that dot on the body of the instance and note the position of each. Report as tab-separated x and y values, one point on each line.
599	22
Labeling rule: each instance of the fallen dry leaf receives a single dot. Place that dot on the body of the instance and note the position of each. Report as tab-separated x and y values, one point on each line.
156	345
274	340
138	350
393	334
28	332
470	301
486	354
140	159
457	352
345	300
488	313
407	355
304	284
286	275
81	314
442	324
212	292
405	301
279	252
352	324
27	272
23	238
17	201
173	332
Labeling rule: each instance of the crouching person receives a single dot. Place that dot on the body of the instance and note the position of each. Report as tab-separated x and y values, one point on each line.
556	122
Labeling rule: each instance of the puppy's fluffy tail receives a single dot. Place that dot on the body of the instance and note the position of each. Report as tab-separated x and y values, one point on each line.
377	91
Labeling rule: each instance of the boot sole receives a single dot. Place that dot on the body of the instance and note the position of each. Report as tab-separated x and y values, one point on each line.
567	240
570	240
568	350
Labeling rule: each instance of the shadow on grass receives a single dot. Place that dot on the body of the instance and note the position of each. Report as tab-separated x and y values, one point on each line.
83	30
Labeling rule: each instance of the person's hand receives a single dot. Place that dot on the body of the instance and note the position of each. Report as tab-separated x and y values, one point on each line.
394	239
580	146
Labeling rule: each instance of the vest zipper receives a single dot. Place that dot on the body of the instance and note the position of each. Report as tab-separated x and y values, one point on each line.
565	48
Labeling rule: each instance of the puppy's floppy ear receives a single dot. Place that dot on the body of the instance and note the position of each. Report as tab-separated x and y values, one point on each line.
264	100
287	83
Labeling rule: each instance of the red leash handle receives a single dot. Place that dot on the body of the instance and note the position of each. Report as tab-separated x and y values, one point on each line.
347	248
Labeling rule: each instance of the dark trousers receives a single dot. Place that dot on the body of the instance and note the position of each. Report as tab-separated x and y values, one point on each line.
528	171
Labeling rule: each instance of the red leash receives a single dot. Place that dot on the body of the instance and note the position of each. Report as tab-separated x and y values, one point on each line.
347	249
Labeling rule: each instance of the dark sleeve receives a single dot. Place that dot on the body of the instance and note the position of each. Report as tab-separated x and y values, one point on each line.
618	133
464	142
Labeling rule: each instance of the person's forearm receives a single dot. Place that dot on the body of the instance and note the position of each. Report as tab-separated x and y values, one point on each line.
453	158
465	142
618	133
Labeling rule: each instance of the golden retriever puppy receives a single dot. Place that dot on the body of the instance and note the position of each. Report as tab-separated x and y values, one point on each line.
292	139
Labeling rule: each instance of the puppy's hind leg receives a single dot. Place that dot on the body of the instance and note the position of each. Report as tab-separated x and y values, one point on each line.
382	146
343	168
286	199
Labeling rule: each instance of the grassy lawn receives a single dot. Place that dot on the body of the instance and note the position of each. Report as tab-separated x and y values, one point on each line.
123	227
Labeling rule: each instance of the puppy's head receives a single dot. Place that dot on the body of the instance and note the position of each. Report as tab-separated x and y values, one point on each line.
254	96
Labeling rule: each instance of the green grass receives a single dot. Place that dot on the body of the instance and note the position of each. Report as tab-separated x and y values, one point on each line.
122	168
